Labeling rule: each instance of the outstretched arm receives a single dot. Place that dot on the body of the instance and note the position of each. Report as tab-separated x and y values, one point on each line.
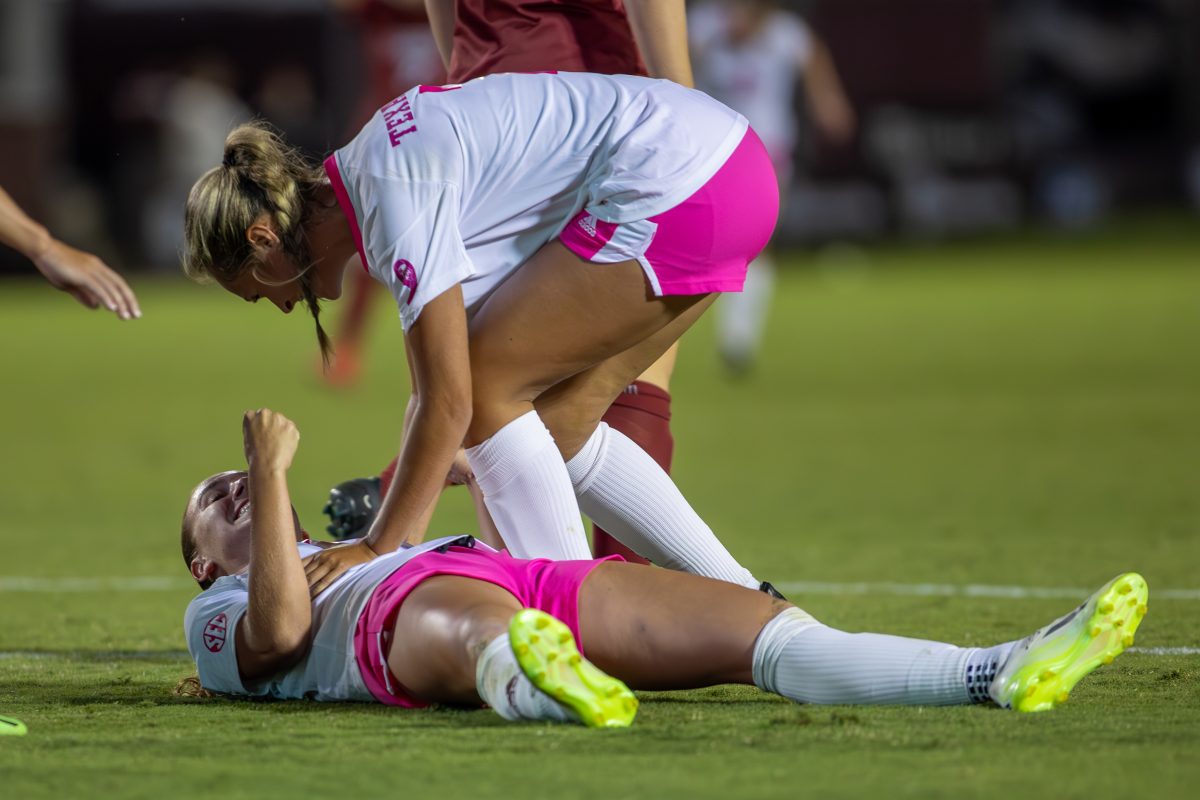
82	275
660	29
274	633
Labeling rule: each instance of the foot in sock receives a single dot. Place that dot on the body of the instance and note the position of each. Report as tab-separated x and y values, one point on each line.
1044	667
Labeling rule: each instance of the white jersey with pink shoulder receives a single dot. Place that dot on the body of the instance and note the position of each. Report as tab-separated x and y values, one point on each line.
756	75
329	671
462	184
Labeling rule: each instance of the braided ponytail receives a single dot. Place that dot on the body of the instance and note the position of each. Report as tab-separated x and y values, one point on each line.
259	173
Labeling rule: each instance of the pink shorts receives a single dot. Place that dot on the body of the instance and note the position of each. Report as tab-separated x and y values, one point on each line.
550	586
705	243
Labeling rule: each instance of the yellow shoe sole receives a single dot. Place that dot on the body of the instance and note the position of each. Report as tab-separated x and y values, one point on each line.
546	651
1104	627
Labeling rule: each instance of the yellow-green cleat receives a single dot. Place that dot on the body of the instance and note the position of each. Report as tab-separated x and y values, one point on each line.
1044	668
546	651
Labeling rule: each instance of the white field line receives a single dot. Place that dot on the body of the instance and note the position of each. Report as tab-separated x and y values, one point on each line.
150	583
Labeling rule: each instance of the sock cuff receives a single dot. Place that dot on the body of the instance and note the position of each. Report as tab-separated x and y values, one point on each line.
497	648
583	465
493	676
499	458
771	640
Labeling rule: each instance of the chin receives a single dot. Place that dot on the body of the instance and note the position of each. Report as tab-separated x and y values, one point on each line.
330	291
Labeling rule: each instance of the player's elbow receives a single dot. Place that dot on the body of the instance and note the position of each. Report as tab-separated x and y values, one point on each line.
283	649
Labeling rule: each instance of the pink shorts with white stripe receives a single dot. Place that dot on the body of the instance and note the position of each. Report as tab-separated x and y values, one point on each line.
702	245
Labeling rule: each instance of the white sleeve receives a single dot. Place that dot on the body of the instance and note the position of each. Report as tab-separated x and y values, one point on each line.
412	240
210	623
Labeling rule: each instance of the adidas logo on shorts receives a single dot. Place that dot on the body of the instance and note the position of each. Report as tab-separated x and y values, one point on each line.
588	224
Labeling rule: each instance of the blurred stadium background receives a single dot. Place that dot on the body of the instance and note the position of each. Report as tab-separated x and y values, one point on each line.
976	115
983	369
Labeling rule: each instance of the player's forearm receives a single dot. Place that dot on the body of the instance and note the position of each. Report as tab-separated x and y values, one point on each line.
20	232
279	616
434	435
441	21
421	526
660	29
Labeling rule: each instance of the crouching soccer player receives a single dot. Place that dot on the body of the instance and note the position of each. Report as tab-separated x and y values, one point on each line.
451	621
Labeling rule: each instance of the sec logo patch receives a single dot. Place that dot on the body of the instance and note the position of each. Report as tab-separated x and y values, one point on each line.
214	633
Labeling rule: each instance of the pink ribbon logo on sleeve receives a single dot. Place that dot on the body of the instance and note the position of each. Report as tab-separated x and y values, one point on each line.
407	276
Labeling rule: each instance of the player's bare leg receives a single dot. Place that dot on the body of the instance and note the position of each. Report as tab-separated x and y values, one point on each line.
559	316
460	640
453	619
556	317
659	629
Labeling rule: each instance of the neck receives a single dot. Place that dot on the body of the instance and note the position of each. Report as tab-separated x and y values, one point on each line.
329	233
330	240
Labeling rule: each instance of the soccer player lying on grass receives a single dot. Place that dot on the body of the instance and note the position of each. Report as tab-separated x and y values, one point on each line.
451	621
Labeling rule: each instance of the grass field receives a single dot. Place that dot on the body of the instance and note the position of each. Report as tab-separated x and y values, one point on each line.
1020	412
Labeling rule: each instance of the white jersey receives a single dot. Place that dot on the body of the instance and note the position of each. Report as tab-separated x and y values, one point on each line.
463	184
329	670
757	76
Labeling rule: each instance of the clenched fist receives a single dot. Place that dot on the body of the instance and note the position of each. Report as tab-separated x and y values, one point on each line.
270	440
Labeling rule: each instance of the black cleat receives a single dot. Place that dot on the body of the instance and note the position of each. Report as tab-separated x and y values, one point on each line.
768	589
352	507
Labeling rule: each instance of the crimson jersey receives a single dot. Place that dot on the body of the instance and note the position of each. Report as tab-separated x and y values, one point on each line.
493	36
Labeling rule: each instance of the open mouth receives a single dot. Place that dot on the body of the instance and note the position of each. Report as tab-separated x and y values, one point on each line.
241	510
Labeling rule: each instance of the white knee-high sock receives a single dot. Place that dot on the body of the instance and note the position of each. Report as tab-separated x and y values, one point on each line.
808	662
504	686
625	492
528	491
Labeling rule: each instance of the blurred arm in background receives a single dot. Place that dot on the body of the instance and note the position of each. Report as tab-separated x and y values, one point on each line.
660	29
82	275
441	22
831	111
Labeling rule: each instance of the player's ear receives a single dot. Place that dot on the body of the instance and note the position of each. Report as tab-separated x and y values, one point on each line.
204	570
262	234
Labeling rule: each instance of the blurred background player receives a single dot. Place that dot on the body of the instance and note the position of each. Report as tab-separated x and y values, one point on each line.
636	37
751	55
81	275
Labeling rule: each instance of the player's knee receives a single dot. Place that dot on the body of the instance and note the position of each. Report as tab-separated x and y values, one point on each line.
573	414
